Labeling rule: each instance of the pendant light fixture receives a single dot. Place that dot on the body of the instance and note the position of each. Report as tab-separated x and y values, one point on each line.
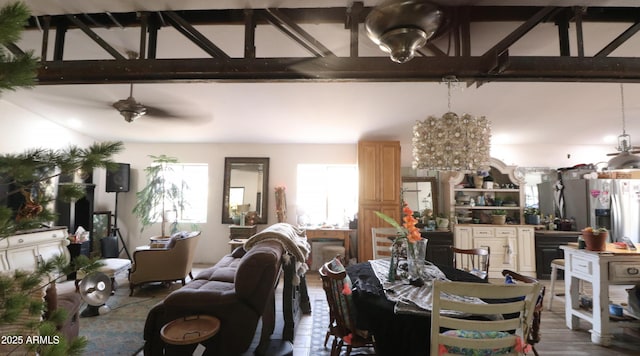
625	159
452	142
400	27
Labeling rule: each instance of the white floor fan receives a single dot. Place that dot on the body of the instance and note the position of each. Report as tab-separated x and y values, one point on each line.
95	289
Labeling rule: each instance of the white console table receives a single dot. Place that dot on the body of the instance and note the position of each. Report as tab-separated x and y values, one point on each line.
26	249
611	267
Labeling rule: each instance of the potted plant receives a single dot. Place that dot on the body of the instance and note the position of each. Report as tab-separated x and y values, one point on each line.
595	239
161	199
499	216
532	216
442	222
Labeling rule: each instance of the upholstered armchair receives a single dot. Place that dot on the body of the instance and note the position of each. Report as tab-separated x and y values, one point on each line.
165	261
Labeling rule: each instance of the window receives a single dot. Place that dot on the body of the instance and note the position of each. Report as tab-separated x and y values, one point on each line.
194	180
327	194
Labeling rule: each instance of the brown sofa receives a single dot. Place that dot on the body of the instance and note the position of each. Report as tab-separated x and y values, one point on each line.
238	290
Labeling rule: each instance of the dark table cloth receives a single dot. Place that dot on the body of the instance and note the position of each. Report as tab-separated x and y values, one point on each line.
395	334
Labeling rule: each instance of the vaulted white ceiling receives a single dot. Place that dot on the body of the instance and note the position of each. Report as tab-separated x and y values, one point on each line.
326	112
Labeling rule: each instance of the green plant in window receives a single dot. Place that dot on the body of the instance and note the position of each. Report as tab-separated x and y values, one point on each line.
162	198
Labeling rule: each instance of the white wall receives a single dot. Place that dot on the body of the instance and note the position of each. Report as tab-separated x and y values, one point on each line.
22	130
283	161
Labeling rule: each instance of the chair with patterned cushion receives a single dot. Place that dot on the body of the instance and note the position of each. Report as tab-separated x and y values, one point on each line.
461	325
473	260
337	287
534	335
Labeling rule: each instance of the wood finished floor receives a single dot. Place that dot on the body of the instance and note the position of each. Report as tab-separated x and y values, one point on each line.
556	338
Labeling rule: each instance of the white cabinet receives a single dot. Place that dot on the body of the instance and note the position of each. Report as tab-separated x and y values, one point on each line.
512	246
27	249
526	250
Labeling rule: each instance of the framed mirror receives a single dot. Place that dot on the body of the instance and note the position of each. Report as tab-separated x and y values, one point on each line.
246	181
420	193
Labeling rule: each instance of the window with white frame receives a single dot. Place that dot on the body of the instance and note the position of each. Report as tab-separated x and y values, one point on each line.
194	180
327	194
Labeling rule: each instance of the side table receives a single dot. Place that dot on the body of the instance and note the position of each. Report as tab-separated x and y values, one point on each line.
188	330
235	243
242	232
75	250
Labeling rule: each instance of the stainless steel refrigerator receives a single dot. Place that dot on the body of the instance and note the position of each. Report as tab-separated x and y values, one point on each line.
610	203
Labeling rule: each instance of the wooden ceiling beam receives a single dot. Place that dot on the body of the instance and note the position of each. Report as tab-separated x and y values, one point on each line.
379	69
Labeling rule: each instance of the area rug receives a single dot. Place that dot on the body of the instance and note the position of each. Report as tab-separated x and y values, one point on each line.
319	330
120	332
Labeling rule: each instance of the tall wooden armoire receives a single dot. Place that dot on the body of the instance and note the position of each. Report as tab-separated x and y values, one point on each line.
379	189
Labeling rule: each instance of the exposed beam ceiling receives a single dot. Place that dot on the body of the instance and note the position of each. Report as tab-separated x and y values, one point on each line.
449	54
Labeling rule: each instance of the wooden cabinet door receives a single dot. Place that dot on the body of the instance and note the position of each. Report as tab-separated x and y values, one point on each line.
526	250
389	155
368	173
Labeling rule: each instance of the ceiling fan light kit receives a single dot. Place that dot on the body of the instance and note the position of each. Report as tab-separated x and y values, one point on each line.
401	27
129	108
625	160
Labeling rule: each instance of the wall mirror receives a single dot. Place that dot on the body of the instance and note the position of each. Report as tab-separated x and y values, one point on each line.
420	193
246	181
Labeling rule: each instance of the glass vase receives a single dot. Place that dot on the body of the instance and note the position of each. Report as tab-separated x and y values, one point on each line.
416	255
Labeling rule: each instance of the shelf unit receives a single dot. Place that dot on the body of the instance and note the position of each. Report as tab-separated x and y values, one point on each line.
503	174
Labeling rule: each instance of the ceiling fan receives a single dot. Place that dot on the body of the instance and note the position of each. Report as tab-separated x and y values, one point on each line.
625	158
131	109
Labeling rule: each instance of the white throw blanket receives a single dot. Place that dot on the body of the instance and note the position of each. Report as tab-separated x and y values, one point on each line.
294	241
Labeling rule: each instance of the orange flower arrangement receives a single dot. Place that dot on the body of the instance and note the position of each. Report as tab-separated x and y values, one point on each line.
408	228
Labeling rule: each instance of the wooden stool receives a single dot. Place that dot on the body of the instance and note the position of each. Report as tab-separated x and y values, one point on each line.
555	266
190	330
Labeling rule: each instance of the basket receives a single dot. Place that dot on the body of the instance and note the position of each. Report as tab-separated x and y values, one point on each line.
595	242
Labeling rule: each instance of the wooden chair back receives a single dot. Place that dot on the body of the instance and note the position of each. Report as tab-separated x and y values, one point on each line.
473	260
514	302
534	333
337	288
382	239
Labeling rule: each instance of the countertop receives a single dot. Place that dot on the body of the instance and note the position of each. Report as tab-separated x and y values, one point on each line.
557	233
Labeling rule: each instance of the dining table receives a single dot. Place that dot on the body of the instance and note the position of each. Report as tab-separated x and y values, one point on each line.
397	331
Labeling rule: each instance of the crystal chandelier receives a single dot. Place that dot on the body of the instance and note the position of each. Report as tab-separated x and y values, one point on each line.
452	142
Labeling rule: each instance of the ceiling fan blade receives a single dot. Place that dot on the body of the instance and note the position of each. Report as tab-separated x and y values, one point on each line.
162	114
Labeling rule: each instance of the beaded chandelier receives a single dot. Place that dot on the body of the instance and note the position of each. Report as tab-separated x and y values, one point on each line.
452	142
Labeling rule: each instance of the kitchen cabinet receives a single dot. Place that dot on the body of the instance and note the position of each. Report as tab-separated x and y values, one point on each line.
379	189
465	202
547	246
512	246
439	247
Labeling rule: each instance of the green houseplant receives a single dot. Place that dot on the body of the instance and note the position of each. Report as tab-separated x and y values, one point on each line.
161	199
499	216
27	176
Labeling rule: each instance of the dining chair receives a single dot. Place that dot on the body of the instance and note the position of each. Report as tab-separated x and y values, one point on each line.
499	327
382	238
337	287
534	335
473	260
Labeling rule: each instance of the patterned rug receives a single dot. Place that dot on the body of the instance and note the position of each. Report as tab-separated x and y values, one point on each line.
319	330
120	331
